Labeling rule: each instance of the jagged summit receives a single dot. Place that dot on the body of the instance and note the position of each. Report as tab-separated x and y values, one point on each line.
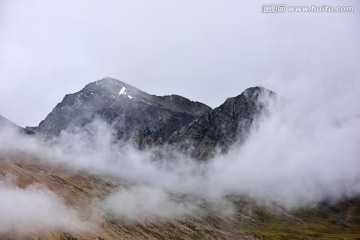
223	126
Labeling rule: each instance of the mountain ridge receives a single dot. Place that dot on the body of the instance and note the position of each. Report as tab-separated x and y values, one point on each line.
149	120
224	125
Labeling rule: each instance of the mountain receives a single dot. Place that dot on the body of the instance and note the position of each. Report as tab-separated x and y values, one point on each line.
149	120
224	125
145	119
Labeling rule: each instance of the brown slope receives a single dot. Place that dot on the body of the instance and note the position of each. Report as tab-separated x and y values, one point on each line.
80	189
250	220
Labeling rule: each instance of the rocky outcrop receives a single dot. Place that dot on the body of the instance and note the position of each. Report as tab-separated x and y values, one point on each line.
221	127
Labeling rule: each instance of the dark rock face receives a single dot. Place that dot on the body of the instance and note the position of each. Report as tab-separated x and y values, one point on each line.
136	115
149	120
222	126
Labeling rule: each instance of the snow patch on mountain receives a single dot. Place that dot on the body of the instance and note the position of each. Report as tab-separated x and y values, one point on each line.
123	92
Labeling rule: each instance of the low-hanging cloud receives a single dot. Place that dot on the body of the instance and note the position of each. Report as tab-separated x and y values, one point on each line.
144	202
297	156
35	208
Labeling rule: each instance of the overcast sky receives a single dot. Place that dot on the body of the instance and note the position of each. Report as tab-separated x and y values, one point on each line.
205	50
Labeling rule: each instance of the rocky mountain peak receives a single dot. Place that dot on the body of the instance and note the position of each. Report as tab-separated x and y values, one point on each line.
223	126
113	88
148	120
144	118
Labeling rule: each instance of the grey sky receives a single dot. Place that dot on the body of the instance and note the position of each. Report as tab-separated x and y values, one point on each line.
204	50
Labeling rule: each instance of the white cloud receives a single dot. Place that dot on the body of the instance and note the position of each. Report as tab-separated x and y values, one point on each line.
144	202
299	155
35	208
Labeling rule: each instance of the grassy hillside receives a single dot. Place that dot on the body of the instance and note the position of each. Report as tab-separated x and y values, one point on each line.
337	221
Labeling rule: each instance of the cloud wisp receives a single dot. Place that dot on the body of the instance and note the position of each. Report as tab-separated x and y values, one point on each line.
35	209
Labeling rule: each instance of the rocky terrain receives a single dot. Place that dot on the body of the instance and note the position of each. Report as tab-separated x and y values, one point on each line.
134	115
224	125
149	120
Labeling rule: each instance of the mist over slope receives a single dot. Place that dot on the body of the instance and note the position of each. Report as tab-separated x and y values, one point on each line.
295	155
